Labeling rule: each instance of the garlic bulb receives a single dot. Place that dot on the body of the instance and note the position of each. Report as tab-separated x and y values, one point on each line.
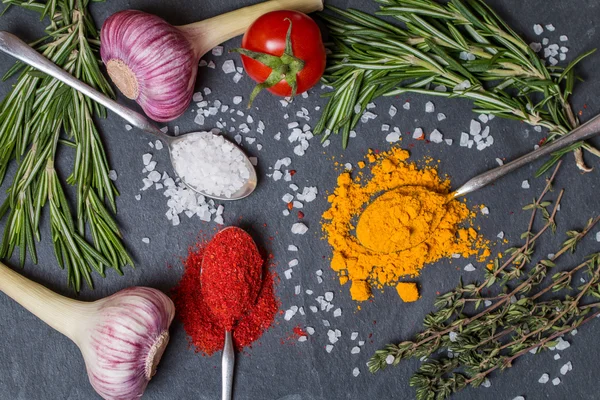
122	337
124	341
150	61
155	63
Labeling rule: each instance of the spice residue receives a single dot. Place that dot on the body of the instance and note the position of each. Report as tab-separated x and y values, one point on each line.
205	330
410	224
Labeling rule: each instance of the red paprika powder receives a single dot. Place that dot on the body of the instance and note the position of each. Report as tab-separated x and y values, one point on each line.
221	289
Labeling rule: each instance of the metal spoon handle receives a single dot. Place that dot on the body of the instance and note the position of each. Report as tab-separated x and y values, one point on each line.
17	48
227	366
583	132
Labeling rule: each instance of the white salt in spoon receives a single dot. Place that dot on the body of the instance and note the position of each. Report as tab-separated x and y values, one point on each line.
14	46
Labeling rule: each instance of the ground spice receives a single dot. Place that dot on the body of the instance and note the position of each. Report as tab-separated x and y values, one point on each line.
205	327
408	291
417	200
230	276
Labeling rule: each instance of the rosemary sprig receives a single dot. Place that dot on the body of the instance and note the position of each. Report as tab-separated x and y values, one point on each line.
501	76
40	117
483	333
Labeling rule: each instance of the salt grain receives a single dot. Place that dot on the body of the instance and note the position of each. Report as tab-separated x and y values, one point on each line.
556	381
441	116
545	378
299	228
429	107
355	350
537	28
436	136
146	240
525	184
112	175
393	110
566	368
328	348
469	268
356	372
228	66
418	133
406	106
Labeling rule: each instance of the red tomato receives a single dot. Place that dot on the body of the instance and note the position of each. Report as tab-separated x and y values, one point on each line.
268	35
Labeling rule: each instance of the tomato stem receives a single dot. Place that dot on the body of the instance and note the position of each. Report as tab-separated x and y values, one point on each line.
285	67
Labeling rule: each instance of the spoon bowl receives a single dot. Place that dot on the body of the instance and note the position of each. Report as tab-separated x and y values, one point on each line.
14	46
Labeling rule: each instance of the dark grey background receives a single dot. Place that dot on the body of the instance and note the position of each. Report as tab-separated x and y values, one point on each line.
38	363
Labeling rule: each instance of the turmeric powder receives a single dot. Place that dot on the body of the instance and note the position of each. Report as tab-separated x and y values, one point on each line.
408	226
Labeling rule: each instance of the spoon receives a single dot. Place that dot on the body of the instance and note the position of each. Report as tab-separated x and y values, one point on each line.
14	46
228	357
581	133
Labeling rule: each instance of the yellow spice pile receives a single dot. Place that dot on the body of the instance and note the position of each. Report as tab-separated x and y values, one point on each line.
408	225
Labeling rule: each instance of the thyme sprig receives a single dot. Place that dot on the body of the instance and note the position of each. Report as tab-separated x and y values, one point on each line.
38	119
501	75
484	327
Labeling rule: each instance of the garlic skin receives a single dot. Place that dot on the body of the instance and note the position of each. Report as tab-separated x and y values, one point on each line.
150	61
124	340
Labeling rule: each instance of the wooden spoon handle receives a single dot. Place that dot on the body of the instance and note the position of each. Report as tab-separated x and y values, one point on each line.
204	35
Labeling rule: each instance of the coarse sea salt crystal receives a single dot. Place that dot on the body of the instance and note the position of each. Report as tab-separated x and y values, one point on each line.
355	350
429	107
538	29
566	368
519	398
469	267
112	175
406	106
392	137
356	372
550	27
418	133
389	360
293	263
146	158
545	378
475	128
441	116
486	383
299	228
485	210
128	127
393	110
535	46
328	348
436	136
147	240
464	139
228	66
291	247
525	184
556	381
217	51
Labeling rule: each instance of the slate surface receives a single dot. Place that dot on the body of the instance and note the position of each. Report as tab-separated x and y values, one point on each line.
38	363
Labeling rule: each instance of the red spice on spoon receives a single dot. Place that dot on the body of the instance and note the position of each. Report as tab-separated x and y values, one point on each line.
210	305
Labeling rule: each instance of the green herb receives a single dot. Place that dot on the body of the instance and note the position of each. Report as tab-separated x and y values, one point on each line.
40	120
484	327
373	58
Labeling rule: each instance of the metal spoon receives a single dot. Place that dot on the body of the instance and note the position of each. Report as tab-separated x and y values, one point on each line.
228	357
584	132
14	46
